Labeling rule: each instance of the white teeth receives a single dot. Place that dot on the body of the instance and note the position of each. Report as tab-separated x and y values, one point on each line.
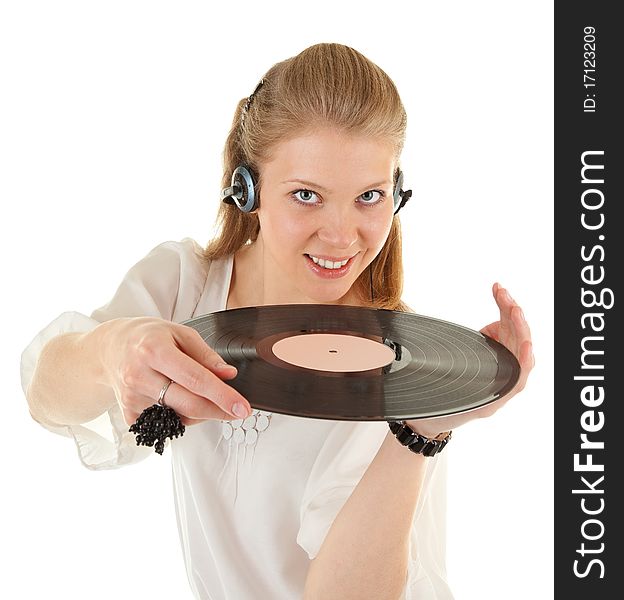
328	264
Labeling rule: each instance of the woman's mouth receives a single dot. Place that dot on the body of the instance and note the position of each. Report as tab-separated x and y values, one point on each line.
329	269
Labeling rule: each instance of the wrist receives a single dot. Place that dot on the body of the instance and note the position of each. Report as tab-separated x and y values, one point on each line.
417	442
97	344
428	429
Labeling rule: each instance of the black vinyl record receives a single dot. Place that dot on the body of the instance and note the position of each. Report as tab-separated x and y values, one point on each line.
422	366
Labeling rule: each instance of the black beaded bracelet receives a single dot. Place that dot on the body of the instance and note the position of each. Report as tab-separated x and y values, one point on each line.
419	444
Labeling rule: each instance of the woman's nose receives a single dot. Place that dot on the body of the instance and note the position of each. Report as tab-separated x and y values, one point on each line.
338	230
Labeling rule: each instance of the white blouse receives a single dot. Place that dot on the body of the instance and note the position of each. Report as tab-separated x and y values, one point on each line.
254	497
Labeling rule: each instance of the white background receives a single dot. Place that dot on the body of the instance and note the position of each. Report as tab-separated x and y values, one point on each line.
113	117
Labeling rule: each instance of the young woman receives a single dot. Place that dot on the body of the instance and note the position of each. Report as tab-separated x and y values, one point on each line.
269	505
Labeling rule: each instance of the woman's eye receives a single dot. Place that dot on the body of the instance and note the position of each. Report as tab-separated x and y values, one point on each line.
370	197
305	196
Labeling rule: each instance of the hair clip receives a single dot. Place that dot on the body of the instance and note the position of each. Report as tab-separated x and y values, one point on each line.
251	97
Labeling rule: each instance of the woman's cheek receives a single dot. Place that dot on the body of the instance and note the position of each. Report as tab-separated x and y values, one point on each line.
376	233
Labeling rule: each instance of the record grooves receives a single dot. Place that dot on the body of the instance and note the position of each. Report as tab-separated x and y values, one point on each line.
435	367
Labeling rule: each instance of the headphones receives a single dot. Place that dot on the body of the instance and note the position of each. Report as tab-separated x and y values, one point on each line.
242	191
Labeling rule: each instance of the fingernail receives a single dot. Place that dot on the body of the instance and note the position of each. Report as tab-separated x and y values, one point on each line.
223	365
240	411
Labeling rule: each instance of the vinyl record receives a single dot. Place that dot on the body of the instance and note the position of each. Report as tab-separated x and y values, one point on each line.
356	363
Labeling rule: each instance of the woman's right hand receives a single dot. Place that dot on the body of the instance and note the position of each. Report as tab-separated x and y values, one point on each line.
140	354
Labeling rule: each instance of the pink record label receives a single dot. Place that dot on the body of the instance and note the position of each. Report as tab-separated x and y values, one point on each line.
333	352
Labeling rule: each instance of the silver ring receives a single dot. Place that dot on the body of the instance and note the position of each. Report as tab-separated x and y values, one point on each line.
164	389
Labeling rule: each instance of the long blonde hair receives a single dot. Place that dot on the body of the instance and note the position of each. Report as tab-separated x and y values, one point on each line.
325	84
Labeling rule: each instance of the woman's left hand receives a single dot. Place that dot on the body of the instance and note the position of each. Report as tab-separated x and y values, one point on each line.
513	332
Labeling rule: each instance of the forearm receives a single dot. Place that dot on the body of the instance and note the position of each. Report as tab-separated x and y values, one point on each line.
365	552
68	384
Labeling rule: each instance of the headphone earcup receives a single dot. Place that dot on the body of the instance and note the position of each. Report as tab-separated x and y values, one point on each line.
397	192
400	196
242	192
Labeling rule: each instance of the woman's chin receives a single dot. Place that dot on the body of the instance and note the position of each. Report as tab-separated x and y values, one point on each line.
327	296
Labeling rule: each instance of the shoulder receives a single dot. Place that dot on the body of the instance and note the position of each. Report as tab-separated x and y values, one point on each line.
178	259
186	250
166	282
196	282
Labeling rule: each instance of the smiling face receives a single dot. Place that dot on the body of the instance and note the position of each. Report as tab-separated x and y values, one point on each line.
326	198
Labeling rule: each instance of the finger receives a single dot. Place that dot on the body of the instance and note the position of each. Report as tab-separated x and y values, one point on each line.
526	361
175	364
491	330
190	405
521	327
200	381
503	328
190	422
513	326
196	347
143	388
526	358
504	300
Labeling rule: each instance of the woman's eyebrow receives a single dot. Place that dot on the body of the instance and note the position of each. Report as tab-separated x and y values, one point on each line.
316	186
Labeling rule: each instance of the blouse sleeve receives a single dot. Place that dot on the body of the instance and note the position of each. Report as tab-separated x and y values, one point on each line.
167	283
340	465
